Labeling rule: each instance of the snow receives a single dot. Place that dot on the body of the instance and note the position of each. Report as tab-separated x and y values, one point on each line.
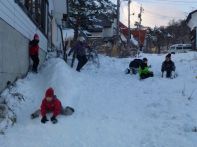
134	41
97	3
112	109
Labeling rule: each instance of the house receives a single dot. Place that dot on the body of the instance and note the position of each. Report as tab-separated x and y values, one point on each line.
103	27
19	21
192	23
137	34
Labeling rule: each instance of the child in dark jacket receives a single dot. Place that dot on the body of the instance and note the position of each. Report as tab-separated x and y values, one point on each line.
168	66
79	50
134	66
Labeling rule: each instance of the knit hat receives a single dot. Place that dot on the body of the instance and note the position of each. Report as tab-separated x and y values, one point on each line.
145	59
168	56
49	92
36	37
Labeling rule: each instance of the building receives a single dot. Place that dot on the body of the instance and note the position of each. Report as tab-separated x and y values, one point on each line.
103	27
19	21
136	34
192	23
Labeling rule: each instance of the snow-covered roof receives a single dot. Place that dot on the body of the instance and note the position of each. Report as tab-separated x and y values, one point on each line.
192	19
134	41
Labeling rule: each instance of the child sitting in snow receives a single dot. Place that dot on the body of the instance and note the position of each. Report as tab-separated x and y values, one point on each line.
168	67
51	104
144	70
134	66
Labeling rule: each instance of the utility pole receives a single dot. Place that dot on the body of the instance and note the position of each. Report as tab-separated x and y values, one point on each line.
139	26
140	15
118	18
129	22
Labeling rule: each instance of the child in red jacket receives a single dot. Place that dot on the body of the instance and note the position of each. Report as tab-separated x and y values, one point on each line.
50	104
34	52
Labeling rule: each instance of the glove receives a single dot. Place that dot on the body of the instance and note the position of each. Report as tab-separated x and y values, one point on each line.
53	120
44	119
173	75
127	71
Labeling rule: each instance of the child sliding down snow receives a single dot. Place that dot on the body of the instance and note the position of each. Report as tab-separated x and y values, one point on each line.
51	104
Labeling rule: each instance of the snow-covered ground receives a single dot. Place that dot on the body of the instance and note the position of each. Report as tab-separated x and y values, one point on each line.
112	109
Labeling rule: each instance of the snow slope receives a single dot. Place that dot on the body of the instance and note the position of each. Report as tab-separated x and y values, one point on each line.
112	109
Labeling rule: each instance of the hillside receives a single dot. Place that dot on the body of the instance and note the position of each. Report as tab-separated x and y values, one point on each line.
112	109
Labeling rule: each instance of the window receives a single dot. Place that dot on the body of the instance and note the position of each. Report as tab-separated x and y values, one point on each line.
172	48
187	47
38	10
179	48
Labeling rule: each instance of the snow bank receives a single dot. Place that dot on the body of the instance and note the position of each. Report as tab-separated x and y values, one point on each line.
112	109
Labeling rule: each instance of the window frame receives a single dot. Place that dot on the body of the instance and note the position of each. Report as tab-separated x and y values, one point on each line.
44	5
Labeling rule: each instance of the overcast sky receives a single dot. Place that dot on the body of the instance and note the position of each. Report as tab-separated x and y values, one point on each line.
157	12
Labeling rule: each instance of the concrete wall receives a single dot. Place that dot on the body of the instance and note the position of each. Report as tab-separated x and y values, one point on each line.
14	54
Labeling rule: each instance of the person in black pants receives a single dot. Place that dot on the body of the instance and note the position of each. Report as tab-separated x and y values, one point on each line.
168	66
80	51
82	61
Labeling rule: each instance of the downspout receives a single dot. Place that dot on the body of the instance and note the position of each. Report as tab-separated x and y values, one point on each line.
64	49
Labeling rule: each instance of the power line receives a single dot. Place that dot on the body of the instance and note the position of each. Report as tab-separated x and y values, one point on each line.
168	2
171	1
161	15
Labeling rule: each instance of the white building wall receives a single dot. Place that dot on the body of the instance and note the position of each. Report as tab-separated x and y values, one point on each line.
108	32
196	38
57	8
193	22
11	13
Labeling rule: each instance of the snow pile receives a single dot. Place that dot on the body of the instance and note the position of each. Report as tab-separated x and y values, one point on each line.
112	109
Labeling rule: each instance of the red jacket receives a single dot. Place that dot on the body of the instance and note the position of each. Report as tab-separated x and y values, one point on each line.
33	47
54	106
34	50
